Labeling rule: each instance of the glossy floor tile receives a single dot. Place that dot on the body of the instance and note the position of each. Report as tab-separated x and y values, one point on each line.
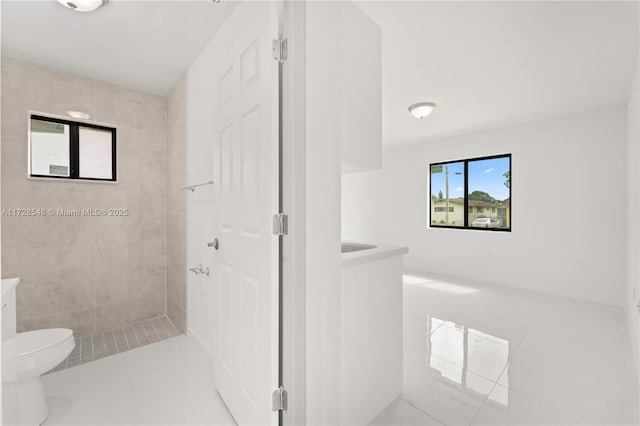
473	354
483	354
597	400
401	412
164	383
507	407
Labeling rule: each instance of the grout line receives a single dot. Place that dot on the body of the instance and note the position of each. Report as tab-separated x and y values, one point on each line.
512	352
144	329
543	403
411	346
572	367
173	325
486	397
530	329
137	343
119	348
154	327
421	410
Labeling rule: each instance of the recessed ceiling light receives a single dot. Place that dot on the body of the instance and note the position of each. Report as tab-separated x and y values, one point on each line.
83	5
78	114
422	110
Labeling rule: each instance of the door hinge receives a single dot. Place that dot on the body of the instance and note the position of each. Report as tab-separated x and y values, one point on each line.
279	399
280	224
279	48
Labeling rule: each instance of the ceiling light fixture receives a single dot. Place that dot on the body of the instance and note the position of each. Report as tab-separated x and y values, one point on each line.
83	5
78	114
422	110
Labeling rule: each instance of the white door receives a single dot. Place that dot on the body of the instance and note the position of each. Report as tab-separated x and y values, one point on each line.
245	161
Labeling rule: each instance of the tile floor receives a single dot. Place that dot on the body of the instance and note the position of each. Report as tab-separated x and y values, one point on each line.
489	355
164	383
474	354
111	342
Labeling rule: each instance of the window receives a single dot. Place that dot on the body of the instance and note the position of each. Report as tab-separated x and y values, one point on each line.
481	187
71	150
447	190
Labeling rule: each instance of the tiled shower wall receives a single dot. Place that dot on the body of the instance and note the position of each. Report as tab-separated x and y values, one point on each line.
86	273
176	205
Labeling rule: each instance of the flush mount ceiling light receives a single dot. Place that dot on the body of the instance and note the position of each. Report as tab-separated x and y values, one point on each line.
422	109
83	5
78	114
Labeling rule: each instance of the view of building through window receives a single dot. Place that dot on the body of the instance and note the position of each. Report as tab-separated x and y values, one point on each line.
64	149
474	193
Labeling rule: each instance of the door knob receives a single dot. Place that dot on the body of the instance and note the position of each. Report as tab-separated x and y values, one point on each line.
215	244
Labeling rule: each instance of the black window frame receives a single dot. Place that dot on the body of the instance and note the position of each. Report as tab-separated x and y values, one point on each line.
74	148
466	224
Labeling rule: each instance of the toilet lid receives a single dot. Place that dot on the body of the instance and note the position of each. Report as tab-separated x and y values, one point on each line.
36	340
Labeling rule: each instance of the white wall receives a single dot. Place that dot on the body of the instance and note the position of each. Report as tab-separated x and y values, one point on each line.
201	211
568	207
323	164
633	215
360	89
359	207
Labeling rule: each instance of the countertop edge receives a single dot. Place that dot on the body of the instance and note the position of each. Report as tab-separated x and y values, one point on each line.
370	255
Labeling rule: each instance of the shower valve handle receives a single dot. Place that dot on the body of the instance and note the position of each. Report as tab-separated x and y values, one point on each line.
215	244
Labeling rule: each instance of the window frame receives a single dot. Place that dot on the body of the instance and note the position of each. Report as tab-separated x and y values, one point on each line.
74	148
465	210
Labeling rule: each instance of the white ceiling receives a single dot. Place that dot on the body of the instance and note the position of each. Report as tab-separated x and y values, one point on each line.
145	45
485	64
489	64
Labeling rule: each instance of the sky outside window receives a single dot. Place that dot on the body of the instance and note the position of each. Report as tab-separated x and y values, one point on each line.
489	176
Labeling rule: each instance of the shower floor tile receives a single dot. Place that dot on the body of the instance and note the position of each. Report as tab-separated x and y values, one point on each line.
111	342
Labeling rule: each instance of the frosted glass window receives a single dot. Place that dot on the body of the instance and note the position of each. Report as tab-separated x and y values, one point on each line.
49	149
95	153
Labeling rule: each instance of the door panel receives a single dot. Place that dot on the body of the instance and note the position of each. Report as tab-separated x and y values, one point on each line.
246	197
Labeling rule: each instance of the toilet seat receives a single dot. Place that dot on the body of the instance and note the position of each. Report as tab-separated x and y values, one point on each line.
38	351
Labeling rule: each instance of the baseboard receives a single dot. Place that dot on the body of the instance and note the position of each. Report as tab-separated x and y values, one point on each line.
202	343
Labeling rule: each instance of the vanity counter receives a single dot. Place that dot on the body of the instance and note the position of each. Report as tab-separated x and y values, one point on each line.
377	252
370	331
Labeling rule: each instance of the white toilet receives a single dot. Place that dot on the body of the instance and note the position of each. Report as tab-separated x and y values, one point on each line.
38	351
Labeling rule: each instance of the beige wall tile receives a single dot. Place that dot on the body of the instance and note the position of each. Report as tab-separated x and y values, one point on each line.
82	322
115	315
176	205
85	273
177	315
